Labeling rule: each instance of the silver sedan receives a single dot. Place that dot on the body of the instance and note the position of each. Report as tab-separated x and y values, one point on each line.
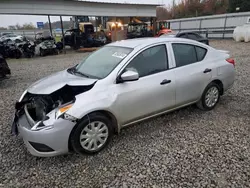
79	109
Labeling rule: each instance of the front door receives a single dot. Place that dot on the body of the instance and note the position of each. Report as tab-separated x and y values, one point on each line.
154	92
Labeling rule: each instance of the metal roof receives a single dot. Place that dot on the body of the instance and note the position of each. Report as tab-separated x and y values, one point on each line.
132	2
76	8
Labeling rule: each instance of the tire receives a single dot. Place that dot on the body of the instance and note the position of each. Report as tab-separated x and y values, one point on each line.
42	52
214	90
56	52
89	140
18	54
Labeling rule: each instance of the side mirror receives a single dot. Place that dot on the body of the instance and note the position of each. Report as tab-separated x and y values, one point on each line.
129	76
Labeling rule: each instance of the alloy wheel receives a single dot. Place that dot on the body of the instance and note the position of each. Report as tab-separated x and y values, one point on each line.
212	96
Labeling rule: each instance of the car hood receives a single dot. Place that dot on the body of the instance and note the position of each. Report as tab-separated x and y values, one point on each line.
58	80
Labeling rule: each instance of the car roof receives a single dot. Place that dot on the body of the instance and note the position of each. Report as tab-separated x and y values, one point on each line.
142	42
4	33
183	32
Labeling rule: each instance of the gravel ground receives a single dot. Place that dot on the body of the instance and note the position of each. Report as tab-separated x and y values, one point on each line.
186	148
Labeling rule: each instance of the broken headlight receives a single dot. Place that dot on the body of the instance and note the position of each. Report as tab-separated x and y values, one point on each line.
61	112
39	126
22	96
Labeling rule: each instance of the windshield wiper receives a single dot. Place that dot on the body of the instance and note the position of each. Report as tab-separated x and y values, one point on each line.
82	74
74	71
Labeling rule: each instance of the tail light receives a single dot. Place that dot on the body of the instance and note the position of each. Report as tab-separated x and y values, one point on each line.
231	60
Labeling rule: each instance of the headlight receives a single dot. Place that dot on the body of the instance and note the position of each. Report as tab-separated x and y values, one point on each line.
22	96
61	110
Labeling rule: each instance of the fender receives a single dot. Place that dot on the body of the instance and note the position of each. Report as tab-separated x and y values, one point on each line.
84	103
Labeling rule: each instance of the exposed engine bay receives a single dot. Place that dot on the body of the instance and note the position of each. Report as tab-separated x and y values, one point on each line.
39	105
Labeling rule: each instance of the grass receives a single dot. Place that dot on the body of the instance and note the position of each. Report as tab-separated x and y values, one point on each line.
58	38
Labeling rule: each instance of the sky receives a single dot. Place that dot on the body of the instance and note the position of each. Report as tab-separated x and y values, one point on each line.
6	20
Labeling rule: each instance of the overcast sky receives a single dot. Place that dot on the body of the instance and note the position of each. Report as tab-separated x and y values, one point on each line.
6	20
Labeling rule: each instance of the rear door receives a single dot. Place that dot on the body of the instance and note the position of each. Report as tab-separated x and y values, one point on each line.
192	72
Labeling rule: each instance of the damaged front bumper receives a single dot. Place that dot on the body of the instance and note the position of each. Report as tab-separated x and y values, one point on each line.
44	138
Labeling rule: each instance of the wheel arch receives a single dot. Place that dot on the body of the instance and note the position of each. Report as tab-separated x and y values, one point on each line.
220	84
106	113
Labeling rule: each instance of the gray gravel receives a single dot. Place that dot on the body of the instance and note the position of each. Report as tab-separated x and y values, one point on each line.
187	148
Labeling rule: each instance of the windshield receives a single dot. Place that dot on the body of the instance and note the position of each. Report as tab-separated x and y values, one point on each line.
11	35
100	63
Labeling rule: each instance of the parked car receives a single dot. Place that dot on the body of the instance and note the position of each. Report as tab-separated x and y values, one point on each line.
120	84
76	39
188	35
13	37
4	68
46	47
10	49
27	48
4	33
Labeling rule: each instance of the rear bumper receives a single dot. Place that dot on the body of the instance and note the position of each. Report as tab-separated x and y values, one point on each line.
49	141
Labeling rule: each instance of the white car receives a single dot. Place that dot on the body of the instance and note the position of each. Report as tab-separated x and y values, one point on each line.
118	85
13	37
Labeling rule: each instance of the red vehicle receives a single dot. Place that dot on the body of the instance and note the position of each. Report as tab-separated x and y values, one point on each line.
162	27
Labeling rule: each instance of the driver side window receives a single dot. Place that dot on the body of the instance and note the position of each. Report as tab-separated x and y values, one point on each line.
150	61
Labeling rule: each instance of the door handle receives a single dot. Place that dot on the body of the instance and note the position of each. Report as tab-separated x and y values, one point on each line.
165	81
207	70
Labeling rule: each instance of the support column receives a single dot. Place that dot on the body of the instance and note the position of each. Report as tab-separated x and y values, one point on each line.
151	21
50	28
154	26
200	25
225	24
115	31
62	35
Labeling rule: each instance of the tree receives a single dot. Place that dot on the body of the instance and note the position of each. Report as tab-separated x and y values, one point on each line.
28	26
244	5
57	24
162	13
12	27
192	8
18	26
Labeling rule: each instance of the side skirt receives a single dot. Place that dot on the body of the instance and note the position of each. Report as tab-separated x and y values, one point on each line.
158	114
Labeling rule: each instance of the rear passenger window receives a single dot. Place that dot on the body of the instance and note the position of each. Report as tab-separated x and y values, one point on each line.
185	54
201	53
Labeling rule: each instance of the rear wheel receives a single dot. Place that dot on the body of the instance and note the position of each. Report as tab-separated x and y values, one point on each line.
92	134
42	52
56	51
210	97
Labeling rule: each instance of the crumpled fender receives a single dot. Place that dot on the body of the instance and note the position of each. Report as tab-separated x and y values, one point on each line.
92	101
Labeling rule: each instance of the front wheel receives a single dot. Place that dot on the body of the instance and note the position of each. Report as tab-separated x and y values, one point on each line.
92	134
18	54
210	97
